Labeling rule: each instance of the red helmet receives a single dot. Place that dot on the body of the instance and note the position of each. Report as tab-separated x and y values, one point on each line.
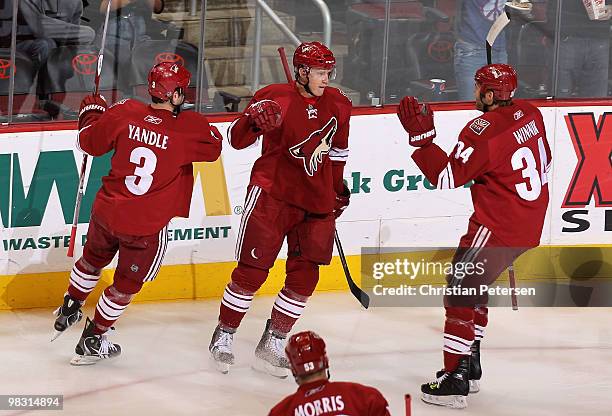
314	55
499	78
165	77
306	353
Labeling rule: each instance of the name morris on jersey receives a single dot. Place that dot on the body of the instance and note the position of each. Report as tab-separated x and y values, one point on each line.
317	145
320	406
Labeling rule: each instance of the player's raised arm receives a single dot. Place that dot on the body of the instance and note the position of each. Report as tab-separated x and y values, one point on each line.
94	141
467	160
261	116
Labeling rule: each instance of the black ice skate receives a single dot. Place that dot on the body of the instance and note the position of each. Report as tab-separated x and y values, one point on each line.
93	348
221	349
66	315
450	389
270	354
475	370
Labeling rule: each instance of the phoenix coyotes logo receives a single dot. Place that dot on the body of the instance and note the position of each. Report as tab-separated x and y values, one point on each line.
317	145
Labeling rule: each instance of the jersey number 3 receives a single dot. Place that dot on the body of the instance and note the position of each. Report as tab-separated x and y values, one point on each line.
524	161
146	162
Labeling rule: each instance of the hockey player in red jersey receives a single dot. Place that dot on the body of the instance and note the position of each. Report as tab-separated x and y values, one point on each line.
506	153
316	395
150	182
296	191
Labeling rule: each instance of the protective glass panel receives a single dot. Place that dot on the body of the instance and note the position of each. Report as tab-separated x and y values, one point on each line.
242	39
584	48
436	47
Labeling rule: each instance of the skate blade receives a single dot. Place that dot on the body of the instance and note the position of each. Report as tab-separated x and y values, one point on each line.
84	360
220	366
454	402
56	335
474	386
56	313
262	366
90	359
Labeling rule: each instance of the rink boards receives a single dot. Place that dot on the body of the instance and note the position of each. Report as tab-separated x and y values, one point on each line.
391	204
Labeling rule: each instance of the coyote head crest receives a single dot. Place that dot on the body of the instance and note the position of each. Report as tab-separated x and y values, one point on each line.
317	145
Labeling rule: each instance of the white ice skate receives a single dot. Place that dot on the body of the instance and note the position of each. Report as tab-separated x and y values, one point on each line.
221	349
270	354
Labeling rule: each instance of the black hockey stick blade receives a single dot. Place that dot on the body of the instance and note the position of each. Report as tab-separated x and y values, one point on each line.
359	294
500	23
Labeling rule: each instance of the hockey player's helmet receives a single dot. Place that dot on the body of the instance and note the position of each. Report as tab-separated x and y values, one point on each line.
499	78
314	55
165	77
306	353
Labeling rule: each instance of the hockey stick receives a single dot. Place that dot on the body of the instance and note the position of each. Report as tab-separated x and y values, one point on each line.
79	196
512	282
500	23
283	56
359	294
522	6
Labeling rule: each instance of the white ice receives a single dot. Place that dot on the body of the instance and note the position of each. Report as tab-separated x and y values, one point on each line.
536	362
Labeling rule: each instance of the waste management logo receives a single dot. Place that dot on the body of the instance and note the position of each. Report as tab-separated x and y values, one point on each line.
26	205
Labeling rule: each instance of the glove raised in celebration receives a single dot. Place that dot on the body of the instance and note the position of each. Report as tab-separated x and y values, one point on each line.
92	107
342	201
264	115
417	120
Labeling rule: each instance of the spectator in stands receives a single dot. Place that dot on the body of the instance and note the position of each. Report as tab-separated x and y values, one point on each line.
42	25
584	49
474	19
127	25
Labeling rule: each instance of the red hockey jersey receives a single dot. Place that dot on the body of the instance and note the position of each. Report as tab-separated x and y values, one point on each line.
333	398
506	153
151	176
296	161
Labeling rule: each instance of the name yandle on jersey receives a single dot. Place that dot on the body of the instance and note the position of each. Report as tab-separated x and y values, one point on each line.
149	137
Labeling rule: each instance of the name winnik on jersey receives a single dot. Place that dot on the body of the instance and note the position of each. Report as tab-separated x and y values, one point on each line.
140	134
526	132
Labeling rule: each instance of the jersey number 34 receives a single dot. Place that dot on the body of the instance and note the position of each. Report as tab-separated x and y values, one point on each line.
524	160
